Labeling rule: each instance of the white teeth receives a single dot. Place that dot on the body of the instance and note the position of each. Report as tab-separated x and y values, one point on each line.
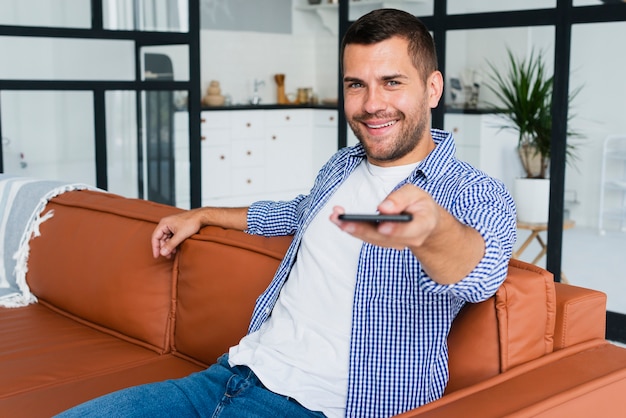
384	125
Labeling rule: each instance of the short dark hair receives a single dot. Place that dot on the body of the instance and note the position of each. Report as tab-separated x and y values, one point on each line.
382	24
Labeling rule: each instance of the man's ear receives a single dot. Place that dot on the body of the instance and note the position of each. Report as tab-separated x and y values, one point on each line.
434	85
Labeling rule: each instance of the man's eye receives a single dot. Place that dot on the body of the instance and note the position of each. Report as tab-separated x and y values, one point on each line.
392	83
355	85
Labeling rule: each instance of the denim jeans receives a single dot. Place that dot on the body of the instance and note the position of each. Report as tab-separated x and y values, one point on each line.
219	391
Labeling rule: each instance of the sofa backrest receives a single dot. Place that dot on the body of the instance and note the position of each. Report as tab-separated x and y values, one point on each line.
93	262
220	275
512	327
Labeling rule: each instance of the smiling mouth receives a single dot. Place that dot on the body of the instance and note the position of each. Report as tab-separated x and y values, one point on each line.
381	125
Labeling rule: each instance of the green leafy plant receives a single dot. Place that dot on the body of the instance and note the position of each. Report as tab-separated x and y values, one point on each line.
524	90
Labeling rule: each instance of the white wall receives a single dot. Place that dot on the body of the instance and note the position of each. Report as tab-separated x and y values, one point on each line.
236	59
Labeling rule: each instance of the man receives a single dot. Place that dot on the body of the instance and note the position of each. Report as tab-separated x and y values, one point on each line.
356	319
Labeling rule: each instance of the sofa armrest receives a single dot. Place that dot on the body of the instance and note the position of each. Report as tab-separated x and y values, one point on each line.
584	380
581	315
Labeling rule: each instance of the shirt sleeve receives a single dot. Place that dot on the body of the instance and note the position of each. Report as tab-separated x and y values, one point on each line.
488	207
275	218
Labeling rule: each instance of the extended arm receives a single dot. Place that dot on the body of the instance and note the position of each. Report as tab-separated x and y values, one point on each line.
447	249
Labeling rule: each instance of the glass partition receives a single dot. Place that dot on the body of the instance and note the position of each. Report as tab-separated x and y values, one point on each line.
415	7
74	14
43	58
165	63
122	144
591	2
47	134
154	166
483	6
146	15
595	184
478	136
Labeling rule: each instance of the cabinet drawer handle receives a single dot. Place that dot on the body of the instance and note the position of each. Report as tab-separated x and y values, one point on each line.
202	120
287	117
248	152
273	137
222	157
248	124
332	118
249	181
203	138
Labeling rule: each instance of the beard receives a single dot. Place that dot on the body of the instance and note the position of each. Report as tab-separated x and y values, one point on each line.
404	142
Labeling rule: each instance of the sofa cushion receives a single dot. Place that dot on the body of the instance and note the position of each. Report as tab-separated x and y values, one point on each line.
93	261
512	327
220	275
40	349
55	398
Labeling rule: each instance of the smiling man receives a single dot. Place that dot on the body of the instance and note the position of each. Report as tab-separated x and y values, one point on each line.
356	319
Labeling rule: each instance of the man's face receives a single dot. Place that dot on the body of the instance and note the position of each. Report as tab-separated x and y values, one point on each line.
387	103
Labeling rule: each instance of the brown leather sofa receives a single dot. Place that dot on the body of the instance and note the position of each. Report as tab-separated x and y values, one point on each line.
110	316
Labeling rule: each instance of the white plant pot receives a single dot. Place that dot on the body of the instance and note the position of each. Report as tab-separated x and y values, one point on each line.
532	198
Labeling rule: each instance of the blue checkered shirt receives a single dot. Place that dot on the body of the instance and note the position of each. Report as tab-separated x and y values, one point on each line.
401	318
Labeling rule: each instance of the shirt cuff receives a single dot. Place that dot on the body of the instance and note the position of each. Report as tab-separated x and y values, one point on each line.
485	279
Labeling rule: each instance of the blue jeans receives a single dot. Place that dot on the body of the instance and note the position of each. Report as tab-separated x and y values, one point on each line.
219	391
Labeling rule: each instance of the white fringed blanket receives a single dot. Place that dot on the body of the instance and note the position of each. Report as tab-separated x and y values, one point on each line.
22	201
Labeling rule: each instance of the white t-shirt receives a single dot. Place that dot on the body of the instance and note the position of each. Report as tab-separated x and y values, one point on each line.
302	350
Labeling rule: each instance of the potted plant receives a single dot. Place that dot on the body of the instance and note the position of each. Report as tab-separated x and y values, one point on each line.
524	92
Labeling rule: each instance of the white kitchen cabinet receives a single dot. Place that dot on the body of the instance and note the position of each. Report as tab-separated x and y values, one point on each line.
248	153
613	184
216	166
275	154
245	124
288	149
480	142
325	137
466	130
216	159
232	156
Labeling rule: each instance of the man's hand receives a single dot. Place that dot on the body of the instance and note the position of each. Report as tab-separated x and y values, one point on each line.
172	230
447	249
399	235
